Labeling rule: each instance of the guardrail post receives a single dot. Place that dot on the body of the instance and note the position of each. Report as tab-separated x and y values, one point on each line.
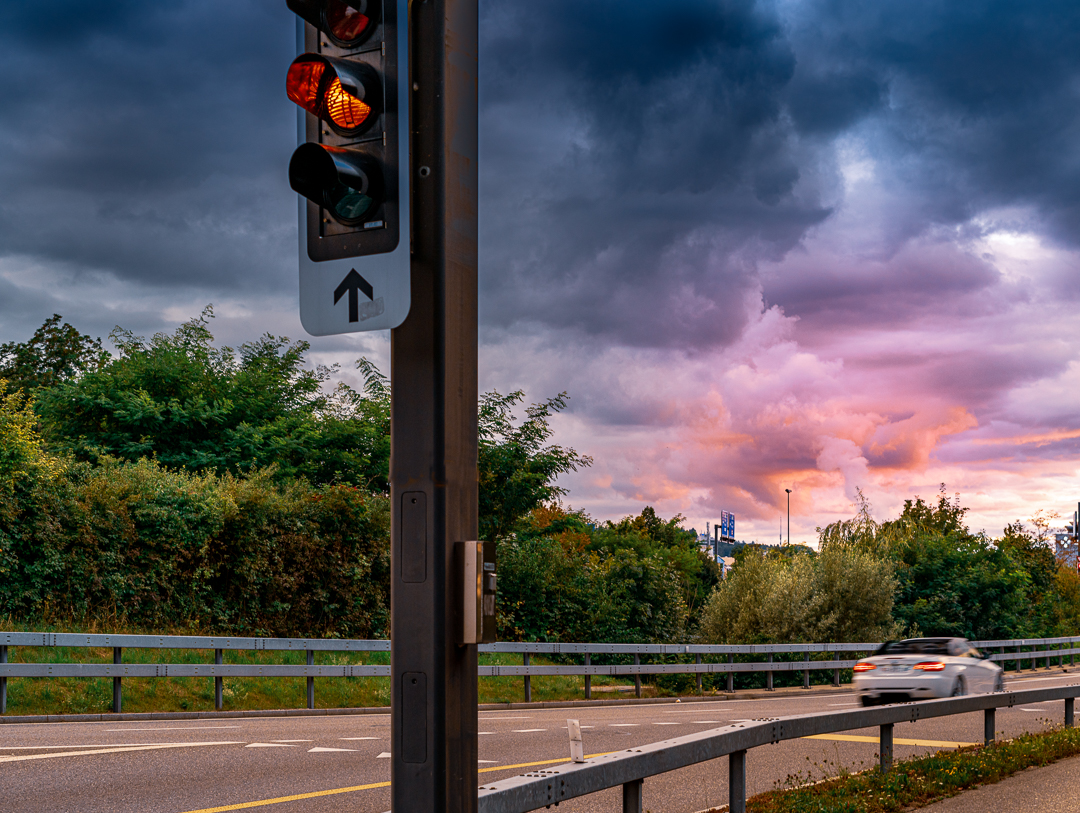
310	681
1048	656
637	677
737	782
117	699
217	682
806	677
1069	712
631	796
885	742
989	725
697	660
836	672
768	676
588	678
528	679
1019	665
3	682
731	674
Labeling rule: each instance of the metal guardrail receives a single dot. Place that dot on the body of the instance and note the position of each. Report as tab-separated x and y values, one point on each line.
632	767
1036	649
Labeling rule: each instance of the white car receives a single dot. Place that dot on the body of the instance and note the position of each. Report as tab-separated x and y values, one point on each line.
921	668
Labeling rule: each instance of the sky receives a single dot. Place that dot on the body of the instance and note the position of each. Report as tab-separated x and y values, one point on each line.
818	246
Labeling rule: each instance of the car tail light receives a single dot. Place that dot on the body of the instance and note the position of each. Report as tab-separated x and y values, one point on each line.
929	666
864	667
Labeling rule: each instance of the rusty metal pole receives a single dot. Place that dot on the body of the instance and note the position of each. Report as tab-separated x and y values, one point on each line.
433	459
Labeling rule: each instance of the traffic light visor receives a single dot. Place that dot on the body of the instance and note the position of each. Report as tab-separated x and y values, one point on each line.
348	24
347	183
347	95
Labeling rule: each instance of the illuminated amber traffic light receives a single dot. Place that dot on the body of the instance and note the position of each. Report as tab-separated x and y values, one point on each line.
345	94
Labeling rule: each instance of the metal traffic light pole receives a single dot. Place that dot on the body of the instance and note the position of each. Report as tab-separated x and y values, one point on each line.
433	460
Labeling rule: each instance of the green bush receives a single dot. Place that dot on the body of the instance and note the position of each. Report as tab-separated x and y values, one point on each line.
230	554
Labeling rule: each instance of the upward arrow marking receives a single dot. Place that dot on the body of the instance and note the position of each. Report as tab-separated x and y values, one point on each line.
352	283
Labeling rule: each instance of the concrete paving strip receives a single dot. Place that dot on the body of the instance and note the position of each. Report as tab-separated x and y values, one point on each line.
120	750
1049	789
896	740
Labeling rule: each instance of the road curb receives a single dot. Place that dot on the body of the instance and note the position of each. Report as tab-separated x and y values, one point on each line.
750	694
547	704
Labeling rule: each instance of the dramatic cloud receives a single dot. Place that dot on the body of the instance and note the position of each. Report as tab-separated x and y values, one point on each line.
825	246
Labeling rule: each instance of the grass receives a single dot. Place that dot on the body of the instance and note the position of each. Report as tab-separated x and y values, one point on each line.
915	782
94	695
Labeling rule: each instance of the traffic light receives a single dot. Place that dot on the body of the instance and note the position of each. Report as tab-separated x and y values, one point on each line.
349	163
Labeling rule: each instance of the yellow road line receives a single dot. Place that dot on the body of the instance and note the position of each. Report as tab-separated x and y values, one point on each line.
896	741
315	794
295	798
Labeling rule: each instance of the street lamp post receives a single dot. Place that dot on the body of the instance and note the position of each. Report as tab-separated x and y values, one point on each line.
788	490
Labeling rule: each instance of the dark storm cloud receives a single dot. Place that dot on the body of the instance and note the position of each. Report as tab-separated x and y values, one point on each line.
981	102
148	139
637	161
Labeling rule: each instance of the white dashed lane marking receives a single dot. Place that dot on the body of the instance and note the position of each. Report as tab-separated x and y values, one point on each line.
359	738
177	728
527	730
383	755
318	750
113	750
268	745
624	725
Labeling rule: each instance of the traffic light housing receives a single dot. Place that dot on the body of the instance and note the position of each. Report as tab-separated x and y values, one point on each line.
348	164
349	83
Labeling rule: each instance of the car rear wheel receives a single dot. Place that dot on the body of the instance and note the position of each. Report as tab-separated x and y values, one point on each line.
959	690
868	701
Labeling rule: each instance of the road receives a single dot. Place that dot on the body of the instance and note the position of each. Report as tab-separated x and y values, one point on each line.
332	764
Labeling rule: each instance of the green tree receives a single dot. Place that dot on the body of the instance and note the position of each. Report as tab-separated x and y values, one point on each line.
517	465
647	535
951	581
54	354
190	405
841	595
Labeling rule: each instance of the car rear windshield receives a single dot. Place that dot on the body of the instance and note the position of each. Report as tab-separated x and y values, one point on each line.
917	646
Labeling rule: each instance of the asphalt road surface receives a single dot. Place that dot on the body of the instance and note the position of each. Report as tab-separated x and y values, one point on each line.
325	764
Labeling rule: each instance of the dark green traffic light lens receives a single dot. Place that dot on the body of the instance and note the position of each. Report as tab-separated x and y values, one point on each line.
348	205
346	182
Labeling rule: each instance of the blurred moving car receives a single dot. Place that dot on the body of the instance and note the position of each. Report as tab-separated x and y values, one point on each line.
922	668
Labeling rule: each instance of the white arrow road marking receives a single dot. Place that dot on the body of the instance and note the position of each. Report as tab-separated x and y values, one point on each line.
318	750
120	750
268	745
383	755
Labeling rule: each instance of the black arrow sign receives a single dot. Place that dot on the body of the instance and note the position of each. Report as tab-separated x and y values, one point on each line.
352	283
